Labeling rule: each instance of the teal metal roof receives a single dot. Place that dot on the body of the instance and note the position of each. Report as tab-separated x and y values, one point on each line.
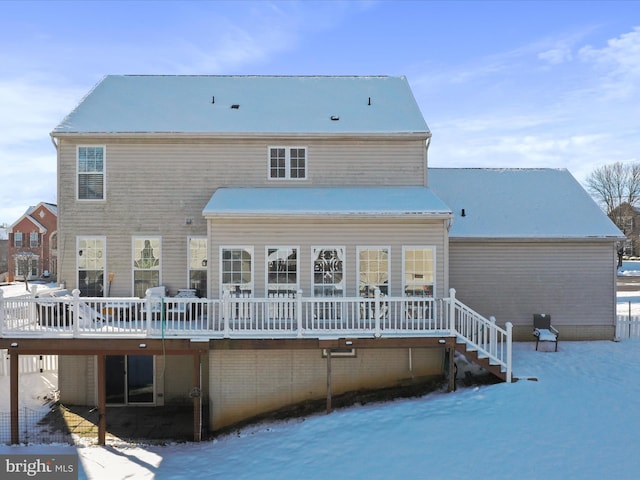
246	104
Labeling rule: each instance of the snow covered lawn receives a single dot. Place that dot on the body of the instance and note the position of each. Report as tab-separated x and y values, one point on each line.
578	420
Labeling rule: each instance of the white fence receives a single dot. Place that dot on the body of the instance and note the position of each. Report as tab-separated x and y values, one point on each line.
627	326
29	363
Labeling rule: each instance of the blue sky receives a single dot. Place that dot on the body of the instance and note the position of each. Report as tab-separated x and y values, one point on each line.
500	84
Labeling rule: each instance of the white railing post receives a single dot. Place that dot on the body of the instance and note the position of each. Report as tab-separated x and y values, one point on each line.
299	312
452	311
226	309
493	337
2	310
509	326
32	304
376	312
76	311
148	306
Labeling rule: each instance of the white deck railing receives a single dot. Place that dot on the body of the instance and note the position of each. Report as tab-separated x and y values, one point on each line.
249	317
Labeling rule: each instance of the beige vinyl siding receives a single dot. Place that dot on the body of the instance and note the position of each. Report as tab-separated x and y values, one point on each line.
246	383
76	379
153	186
574	282
306	233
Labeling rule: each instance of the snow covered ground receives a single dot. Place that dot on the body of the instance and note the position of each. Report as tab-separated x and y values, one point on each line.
573	414
579	419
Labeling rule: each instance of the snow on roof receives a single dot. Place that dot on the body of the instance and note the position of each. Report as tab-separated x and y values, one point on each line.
392	201
519	203
246	104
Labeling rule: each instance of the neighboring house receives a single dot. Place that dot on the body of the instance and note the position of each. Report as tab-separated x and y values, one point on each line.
303	212
33	250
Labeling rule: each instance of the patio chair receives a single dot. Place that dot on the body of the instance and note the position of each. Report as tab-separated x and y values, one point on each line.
543	330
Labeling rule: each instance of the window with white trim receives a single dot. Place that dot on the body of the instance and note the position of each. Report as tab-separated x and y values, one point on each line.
147	255
236	270
91	178
373	270
328	271
288	163
91	266
34	239
198	265
418	271
282	270
17	239
26	265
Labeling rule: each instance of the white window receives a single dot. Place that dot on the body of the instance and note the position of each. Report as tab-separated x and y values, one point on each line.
147	255
198	265
91	266
91	178
282	270
373	270
418	271
236	270
26	265
288	163
34	239
17	239
328	271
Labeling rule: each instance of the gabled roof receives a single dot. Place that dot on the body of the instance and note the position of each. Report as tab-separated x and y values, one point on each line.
334	201
52	207
163	104
519	204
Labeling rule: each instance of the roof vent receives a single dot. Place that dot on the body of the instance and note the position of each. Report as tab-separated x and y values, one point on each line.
335	117
235	106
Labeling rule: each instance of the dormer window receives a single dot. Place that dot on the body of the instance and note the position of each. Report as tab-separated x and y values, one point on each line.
288	163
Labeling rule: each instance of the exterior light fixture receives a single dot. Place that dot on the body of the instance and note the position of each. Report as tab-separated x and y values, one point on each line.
143	345
204	262
14	345
442	341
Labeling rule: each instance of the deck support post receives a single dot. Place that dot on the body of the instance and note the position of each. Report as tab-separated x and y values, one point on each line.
197	398
102	400
14	398
329	408
452	369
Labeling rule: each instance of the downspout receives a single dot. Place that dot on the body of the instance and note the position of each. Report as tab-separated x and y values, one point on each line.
426	159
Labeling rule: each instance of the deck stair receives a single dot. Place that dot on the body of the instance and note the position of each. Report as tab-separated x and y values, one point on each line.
484	361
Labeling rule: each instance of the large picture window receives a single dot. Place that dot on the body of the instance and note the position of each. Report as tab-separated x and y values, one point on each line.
288	163
91	266
373	270
328	271
91	173
418	271
146	264
282	270
198	265
236	270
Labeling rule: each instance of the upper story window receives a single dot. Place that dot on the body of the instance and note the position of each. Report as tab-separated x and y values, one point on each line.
34	239
288	163
17	239
91	177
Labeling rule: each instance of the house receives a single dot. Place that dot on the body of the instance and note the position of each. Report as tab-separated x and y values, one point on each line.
33	250
244	243
4	253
